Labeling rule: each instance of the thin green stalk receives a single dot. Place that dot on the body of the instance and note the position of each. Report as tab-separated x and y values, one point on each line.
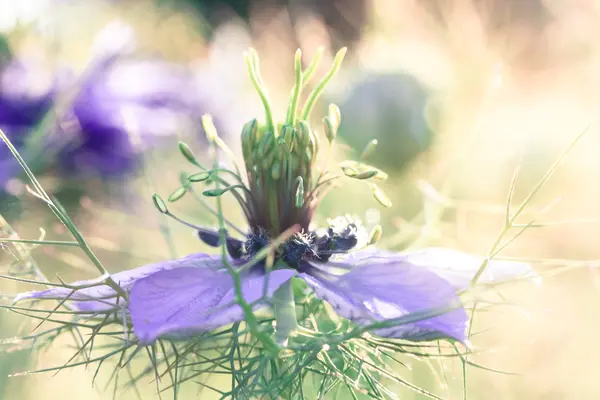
64	218
249	316
510	219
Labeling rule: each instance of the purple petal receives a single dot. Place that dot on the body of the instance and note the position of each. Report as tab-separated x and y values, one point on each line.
379	288
102	298
183	302
456	267
460	268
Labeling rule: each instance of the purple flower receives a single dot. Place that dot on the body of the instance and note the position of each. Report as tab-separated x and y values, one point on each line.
122	105
181	298
26	95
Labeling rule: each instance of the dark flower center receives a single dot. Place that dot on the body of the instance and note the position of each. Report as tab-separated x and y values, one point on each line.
311	246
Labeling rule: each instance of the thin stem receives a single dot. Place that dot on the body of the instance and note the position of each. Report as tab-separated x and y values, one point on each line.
510	220
41	242
64	218
285	312
249	316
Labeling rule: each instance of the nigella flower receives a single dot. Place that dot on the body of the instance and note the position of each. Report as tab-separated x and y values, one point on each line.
120	105
26	95
123	104
182	298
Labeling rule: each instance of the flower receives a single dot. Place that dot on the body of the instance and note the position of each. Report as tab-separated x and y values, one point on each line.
25	97
194	294
181	298
103	120
123	104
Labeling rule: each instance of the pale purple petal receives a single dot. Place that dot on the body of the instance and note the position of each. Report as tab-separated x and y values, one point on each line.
456	267
183	302
102	298
380	288
460	268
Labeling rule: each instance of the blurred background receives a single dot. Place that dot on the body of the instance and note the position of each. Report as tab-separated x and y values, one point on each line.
459	93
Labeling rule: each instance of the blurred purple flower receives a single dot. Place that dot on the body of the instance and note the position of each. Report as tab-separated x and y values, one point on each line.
26	95
120	105
123	105
181	298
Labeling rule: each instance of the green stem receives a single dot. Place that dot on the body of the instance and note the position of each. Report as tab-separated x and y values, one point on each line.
249	316
285	312
59	211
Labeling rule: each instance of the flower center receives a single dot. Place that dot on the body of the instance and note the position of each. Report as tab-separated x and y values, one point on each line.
312	246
